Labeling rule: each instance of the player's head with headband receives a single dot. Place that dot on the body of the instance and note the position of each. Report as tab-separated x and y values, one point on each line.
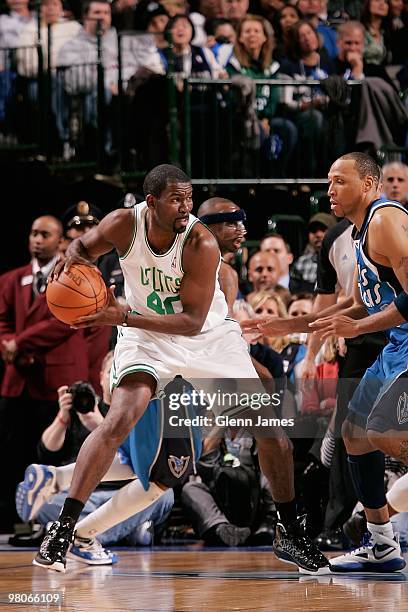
226	220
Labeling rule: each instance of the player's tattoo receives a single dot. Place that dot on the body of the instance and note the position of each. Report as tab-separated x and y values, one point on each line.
403	263
405	228
403	451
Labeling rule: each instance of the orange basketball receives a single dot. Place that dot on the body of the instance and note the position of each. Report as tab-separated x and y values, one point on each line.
80	291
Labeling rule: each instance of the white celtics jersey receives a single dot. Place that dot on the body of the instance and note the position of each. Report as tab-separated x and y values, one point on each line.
152	281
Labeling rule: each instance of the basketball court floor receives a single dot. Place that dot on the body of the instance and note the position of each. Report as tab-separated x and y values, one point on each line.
191	579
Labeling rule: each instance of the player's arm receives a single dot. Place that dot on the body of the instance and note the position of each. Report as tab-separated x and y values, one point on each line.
196	294
388	244
228	279
116	230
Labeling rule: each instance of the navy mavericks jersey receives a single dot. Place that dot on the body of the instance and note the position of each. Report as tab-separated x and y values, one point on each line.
378	284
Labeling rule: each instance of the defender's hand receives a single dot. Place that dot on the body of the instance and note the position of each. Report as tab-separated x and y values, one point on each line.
337	325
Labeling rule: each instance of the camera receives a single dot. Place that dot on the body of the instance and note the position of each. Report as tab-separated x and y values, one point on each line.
83	396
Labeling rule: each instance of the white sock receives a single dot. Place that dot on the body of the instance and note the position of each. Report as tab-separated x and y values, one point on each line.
385	529
126	502
397	496
117	471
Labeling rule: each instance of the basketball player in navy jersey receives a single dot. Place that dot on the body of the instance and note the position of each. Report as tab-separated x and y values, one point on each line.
377	421
176	323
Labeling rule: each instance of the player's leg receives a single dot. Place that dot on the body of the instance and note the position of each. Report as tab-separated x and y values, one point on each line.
129	501
129	401
379	551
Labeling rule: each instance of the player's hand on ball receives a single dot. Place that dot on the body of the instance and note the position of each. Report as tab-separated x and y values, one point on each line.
111	314
64	263
337	325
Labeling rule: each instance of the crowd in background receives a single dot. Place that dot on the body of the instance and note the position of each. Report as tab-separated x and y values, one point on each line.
244	40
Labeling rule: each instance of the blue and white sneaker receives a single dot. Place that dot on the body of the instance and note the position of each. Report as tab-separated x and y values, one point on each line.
38	486
381	555
91	552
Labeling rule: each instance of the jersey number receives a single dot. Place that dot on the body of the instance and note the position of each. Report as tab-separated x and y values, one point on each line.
155	303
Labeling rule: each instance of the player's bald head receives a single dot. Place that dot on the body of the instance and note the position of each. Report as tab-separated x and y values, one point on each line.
216	205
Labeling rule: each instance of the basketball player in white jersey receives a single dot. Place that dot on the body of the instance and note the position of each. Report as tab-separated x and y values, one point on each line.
170	263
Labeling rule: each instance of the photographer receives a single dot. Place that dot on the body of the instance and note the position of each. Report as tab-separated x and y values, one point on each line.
79	414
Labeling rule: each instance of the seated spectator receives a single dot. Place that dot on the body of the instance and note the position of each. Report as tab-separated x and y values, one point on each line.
78	61
230	503
263	271
395	182
42	493
319	395
155	22
221	35
12	22
310	10
252	57
305	105
300	304
283	21
265	304
188	60
304	270
235	10
276	243
375	17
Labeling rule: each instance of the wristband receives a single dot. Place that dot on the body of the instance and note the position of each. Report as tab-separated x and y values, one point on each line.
401	304
125	318
65	423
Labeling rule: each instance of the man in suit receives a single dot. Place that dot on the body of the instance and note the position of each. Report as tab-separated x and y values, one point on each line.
39	353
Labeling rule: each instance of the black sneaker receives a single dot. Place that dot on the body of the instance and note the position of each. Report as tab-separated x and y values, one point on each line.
53	550
292	545
330	539
355	527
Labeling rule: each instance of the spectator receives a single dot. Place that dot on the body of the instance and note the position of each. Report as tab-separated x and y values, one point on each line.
252	57
264	271
283	21
304	270
13	22
395	182
78	59
40	354
399	32
61	30
310	10
300	305
234	9
375	17
220	35
155	22
266	304
189	60
276	243
306	104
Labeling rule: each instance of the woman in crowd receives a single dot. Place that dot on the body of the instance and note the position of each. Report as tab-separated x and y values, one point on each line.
305	105
284	20
252	57
376	19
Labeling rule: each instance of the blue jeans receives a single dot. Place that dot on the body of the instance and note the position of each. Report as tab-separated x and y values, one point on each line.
157	513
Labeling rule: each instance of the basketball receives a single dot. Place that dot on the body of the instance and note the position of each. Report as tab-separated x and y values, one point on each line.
80	291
